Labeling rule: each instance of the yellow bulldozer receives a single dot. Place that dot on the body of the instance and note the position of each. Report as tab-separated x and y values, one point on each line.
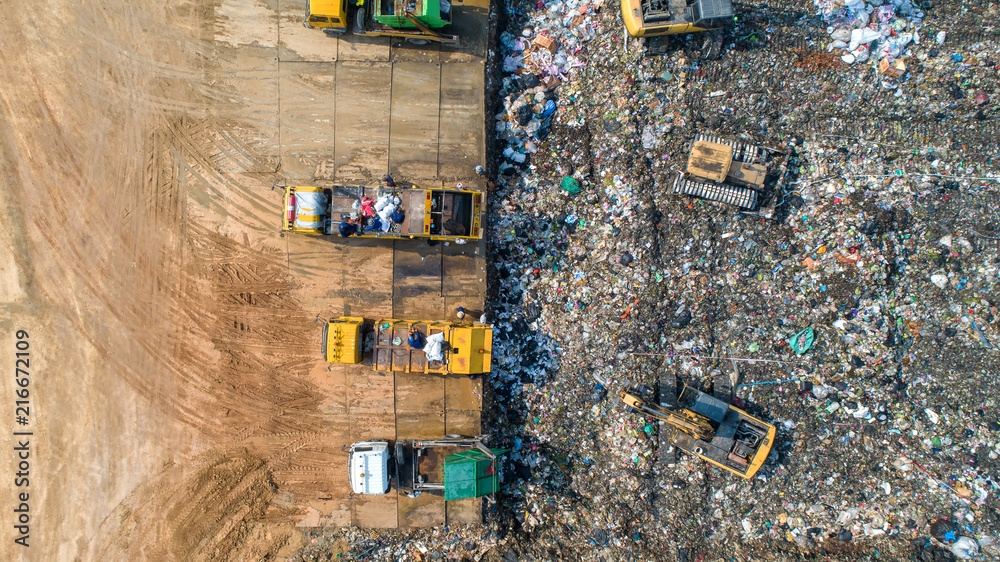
722	170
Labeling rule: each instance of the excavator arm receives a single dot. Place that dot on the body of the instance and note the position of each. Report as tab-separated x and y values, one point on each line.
684	420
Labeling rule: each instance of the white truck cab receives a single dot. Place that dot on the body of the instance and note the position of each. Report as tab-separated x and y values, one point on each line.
368	467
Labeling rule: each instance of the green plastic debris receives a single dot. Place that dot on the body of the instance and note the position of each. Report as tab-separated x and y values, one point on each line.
802	341
570	185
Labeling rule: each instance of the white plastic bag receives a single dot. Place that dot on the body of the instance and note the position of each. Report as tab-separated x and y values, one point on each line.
434	348
965	548
863	36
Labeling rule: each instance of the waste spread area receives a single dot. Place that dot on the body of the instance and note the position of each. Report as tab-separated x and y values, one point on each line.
854	306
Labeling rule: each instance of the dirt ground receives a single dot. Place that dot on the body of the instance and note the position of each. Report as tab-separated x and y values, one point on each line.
179	407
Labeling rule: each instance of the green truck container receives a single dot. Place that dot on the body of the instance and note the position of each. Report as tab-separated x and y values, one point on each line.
453	466
393	13
470	474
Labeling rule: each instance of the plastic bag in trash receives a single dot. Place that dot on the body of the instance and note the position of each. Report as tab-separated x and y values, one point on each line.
434	348
802	341
570	185
965	548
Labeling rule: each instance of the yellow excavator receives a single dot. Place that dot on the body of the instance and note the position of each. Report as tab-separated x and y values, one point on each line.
648	18
704	425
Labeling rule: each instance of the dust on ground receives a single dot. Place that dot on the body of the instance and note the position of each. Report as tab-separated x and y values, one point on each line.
165	412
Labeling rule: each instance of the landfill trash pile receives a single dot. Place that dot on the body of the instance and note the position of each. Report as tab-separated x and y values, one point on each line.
352	543
856	25
860	317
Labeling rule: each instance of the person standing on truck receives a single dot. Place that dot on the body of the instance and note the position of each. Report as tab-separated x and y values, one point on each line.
416	339
389	182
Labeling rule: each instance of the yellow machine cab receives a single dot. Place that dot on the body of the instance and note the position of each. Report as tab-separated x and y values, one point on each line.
328	15
647	18
342	341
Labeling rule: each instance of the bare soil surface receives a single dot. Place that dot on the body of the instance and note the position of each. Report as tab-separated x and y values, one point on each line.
179	406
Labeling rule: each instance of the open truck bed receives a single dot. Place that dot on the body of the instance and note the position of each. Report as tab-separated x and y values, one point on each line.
416	20
438	213
468	349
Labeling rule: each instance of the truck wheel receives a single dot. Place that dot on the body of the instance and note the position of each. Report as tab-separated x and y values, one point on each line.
454	436
418	42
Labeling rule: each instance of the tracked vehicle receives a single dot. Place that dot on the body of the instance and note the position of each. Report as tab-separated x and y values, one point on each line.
724	171
704	425
648	18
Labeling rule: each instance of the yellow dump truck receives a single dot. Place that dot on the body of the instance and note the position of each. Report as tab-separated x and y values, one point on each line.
705	426
438	213
446	347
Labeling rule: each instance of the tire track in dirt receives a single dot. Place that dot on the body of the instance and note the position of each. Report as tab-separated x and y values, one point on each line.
205	512
195	317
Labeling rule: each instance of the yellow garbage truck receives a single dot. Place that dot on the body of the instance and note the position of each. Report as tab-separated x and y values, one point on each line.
438	213
441	347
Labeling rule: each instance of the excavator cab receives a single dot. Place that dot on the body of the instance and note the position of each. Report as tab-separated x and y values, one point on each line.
648	18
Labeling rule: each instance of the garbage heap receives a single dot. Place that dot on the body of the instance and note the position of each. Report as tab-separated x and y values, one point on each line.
604	278
875	29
